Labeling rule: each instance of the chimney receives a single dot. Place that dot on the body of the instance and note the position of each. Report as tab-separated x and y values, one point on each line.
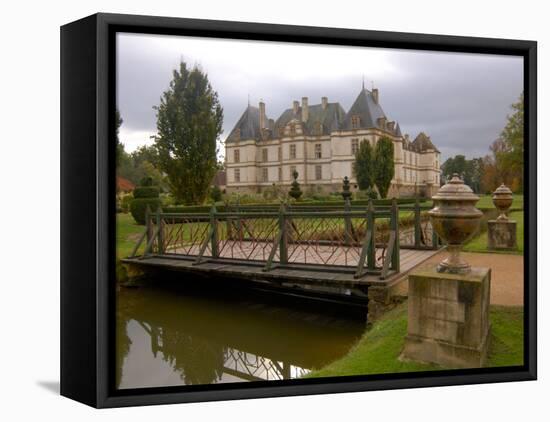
324	102
262	115
375	95
305	110
381	121
295	106
391	126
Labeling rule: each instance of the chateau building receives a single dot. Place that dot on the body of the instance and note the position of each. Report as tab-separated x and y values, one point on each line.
319	141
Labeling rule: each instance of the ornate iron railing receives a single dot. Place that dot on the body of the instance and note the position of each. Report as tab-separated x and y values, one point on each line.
359	241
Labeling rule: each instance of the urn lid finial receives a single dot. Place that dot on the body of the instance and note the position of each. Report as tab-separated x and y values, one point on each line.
456	190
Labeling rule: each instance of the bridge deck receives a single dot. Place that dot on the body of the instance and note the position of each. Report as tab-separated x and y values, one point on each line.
312	275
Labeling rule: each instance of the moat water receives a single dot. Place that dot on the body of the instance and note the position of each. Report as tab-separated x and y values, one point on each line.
170	337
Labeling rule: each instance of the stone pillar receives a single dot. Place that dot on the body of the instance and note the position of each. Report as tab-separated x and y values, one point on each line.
448	321
501	234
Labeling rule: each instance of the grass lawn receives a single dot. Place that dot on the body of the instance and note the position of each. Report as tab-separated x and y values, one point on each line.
479	243
378	350
127	234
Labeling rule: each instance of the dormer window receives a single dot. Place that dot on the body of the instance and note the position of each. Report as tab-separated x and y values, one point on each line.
318	128
281	132
355	122
292	130
237	134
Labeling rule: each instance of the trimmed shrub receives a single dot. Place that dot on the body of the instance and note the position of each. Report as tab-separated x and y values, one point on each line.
125	202
146	181
143	196
216	194
139	205
146	192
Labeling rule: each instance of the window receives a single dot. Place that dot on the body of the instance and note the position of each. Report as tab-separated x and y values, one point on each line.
318	151
281	131
237	175
264	154
280	174
354	146
415	159
318	172
292	151
280	153
353	169
264	175
355	122
236	156
292	170
292	130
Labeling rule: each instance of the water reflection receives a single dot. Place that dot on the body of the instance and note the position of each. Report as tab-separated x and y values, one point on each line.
167	337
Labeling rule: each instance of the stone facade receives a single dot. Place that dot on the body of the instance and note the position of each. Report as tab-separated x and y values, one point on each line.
319	141
448	321
501	234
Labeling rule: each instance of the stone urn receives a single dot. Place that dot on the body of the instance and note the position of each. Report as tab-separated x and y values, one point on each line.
455	219
502	198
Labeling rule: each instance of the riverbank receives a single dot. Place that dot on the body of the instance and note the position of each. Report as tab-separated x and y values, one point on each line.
378	350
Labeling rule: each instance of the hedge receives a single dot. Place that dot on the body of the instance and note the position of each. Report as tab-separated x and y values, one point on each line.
139	205
146	192
313	204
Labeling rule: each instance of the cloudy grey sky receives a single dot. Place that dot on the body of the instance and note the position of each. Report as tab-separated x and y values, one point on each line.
460	100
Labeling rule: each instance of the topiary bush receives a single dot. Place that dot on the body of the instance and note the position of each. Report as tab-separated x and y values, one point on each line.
143	196
146	192
216	194
295	191
125	202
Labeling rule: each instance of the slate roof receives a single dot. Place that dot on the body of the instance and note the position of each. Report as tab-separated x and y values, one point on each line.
366	108
398	130
249	125
423	142
330	118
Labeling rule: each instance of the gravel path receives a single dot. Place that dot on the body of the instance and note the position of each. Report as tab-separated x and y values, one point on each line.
506	275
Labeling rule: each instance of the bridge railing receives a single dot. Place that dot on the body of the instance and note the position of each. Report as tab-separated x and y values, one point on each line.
359	241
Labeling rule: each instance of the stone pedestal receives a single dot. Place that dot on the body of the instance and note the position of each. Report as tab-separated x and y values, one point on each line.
501	234
448	318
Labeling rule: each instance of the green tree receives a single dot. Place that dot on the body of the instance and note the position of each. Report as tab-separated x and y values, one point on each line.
364	166
123	161
511	157
470	170
452	165
384	166
189	122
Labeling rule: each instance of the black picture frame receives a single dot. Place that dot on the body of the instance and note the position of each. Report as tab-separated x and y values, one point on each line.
88	208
